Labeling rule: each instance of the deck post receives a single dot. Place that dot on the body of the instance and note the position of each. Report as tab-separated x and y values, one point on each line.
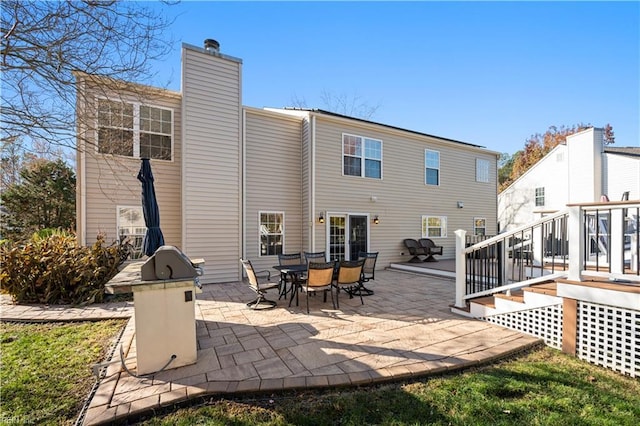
460	268
575	227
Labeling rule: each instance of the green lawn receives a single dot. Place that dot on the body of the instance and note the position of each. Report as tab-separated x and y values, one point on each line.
45	377
45	369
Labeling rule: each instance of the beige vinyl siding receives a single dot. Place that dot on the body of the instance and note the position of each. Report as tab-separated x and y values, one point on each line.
211	177
109	181
402	196
273	180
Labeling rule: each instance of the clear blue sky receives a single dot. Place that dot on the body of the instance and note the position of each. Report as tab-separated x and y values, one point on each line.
491	74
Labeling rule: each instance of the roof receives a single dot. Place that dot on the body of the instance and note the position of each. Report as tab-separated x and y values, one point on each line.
334	114
629	151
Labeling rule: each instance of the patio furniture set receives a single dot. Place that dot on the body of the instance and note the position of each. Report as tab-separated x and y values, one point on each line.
312	274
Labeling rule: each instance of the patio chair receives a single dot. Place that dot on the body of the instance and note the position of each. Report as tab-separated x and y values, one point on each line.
368	273
319	278
415	250
315	257
260	282
287	259
431	248
349	278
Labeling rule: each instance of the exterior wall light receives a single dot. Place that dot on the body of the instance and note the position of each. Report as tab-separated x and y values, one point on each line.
376	220
321	218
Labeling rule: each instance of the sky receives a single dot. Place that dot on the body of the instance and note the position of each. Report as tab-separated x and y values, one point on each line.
487	73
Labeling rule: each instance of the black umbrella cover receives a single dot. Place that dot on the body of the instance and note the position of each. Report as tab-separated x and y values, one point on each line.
153	238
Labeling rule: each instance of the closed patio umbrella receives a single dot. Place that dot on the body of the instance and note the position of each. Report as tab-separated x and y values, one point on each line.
153	237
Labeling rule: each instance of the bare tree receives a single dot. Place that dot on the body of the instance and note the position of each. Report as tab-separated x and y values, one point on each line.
351	105
44	43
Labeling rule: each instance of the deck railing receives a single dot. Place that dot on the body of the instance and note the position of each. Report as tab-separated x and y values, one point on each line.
598	238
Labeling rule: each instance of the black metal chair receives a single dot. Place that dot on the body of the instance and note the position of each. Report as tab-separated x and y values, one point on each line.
430	248
349	278
319	278
259	281
315	257
368	272
283	260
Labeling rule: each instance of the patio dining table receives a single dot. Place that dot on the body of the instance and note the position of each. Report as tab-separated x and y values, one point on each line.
295	272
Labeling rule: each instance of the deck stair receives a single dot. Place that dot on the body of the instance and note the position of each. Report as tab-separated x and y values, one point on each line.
534	296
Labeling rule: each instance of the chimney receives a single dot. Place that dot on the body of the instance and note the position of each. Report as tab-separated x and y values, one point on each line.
211	45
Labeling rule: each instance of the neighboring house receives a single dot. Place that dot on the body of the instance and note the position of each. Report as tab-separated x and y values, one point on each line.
235	181
581	171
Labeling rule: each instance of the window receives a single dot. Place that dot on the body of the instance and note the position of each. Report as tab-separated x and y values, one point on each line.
432	165
434	226
479	226
540	196
134	130
361	156
271	233
482	170
130	223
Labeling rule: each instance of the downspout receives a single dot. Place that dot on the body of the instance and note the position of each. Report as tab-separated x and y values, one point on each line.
183	142
81	228
243	187
312	177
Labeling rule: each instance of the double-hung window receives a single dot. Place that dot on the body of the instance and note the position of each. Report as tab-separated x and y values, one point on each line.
361	156
479	226
271	231
134	130
131	225
482	170
434	226
432	167
539	196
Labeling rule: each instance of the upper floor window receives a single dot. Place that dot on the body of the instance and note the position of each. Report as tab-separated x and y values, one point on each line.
434	226
479	226
271	233
134	130
432	166
482	170
540	196
361	156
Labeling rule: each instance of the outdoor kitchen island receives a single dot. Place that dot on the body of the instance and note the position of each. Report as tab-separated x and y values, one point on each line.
163	290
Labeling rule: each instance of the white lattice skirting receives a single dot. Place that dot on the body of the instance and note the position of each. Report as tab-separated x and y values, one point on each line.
606	335
544	322
609	337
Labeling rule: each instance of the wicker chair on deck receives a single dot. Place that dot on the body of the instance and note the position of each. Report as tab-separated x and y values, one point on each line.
415	250
431	248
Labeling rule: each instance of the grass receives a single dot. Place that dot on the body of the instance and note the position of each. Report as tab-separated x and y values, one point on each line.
45	369
45	377
544	387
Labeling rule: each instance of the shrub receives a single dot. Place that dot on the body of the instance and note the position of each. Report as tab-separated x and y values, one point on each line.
52	268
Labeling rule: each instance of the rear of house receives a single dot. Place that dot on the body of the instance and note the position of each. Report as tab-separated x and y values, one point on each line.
236	181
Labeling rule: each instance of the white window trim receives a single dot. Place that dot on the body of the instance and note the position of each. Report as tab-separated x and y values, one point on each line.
136	128
483	227
260	213
535	196
425	168
482	170
363	157
425	234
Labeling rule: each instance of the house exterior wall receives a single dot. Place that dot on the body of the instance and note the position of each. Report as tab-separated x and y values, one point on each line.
621	173
211	178
107	181
401	198
273	180
516	204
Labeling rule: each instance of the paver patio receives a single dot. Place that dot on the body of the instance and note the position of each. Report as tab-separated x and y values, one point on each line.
404	330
